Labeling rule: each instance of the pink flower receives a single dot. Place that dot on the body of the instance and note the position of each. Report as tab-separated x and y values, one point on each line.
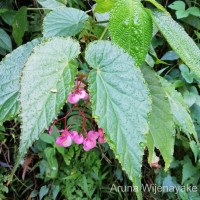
78	139
83	94
65	139
73	98
101	136
78	93
89	144
73	134
92	135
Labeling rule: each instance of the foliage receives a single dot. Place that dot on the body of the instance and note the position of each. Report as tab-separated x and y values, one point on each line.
63	86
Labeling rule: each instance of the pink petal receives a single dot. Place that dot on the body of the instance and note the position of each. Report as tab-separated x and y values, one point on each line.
78	139
101	140
73	134
73	98
86	96
83	94
101	136
92	135
64	141
64	132
89	144
101	133
86	148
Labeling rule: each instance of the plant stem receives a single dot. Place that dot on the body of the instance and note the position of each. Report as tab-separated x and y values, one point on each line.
103	34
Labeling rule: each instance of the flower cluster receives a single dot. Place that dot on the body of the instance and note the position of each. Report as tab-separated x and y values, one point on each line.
78	93
89	142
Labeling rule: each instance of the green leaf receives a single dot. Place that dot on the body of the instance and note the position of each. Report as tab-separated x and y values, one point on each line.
62	1
47	79
19	25
188	169
179	109
157	5
4	10
104	5
10	73
187	74
195	149
64	22
161	119
47	138
181	14
43	191
9	16
5	41
52	169
51	4
170	55
177	5
194	11
131	28
179	40
120	104
150	146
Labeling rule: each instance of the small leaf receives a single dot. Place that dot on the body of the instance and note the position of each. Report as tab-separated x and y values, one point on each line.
181	14
47	138
104	5
8	17
195	149
194	11
120	104
5	41
51	4
188	169
157	5
169	183
187	75
52	169
43	191
56	190
131	28
19	25
10	74
179	109
177	5
51	65
64	22
179	40
170	55
161	119
3	10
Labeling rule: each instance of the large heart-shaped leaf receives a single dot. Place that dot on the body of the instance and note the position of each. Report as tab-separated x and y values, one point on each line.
10	73
131	28
162	127
179	40
120	104
46	81
64	22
